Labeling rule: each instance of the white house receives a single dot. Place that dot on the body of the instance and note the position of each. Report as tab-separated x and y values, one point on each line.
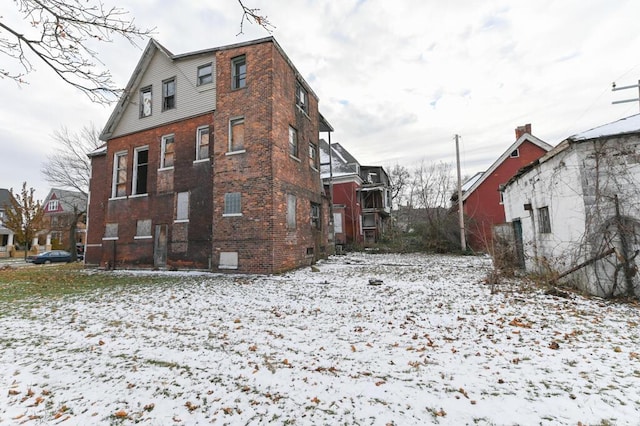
576	211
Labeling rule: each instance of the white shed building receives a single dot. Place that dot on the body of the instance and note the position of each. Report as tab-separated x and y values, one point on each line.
575	212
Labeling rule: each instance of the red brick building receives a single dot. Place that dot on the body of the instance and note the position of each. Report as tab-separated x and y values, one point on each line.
211	162
483	207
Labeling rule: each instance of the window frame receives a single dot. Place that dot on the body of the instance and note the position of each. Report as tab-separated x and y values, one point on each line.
199	132
238	79
53	205
515	153
294	144
166	96
136	171
163	152
236	121
143	91
115	180
302	97
313	156
316	214
230	204
544	220
202	77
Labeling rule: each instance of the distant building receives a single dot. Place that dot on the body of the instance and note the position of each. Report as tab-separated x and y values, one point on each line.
6	235
211	162
361	196
483	206
61	208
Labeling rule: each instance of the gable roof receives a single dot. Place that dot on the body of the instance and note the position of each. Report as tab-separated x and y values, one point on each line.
526	137
342	162
5	198
68	200
152	48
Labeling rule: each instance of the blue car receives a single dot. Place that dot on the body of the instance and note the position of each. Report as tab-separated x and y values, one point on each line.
50	257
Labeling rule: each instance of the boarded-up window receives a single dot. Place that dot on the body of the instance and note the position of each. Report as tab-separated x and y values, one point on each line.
111	230
143	228
228	260
182	206
337	223
202	143
236	134
291	211
167	157
232	204
119	175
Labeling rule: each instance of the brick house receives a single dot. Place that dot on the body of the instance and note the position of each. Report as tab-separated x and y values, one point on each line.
61	208
483	206
211	162
361	196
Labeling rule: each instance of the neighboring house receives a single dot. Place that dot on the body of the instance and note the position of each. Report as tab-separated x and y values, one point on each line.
6	235
361	196
481	197
61	207
210	162
578	209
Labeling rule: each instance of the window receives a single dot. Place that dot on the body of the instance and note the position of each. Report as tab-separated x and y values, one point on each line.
232	205
236	134
140	168
53	205
302	98
169	94
119	188
202	143
143	229
205	74
111	231
182	206
293	142
313	156
315	215
515	153
167	152
291	211
239	72
337	223
545	221
145	102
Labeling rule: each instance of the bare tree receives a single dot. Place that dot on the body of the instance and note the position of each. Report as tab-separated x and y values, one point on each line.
399	177
24	217
61	34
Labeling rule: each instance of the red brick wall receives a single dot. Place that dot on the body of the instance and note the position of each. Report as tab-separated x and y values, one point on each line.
483	207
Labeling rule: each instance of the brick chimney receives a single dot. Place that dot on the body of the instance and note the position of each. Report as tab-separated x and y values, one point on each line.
521	130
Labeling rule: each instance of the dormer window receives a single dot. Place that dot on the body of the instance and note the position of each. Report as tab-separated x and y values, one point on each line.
53	205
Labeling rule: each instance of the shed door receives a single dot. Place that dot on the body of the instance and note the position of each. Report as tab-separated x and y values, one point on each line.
160	246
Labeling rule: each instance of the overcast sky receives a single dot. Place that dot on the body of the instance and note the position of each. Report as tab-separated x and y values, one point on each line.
396	79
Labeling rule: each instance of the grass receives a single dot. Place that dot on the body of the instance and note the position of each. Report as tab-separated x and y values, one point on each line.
55	281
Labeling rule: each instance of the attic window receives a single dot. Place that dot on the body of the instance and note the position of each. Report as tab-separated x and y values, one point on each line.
515	153
53	205
205	75
145	102
169	94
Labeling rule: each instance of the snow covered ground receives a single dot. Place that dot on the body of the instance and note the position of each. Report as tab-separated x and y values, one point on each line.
430	345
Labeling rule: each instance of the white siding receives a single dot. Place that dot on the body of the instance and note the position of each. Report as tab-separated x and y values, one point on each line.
191	99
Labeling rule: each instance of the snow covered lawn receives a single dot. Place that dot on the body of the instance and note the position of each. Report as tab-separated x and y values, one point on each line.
431	345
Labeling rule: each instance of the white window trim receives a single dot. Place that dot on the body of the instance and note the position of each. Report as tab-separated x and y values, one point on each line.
162	151
109	238
134	178
241	151
198	139
142	237
114	179
231	214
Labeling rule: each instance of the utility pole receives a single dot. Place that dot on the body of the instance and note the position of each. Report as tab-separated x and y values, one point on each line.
615	89
463	241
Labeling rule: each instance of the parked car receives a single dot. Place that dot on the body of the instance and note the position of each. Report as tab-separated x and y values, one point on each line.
50	257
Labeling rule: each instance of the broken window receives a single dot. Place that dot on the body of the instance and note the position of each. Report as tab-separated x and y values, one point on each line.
293	142
167	152
544	220
145	102
169	94
315	215
202	143
119	188
140	169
